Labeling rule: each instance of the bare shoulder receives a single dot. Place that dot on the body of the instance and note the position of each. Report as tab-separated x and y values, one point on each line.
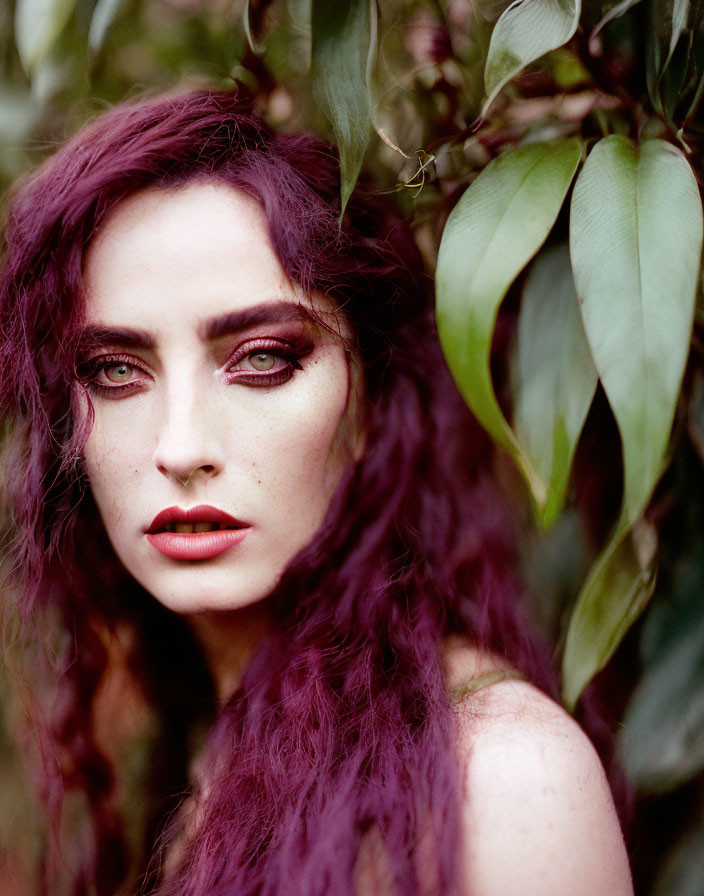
538	815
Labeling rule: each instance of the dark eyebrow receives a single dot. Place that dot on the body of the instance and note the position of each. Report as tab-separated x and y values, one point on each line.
95	336
266	313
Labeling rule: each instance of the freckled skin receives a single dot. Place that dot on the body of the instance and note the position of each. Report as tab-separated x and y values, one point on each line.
165	262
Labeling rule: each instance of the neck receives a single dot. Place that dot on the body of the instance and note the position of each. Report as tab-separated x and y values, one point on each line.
228	640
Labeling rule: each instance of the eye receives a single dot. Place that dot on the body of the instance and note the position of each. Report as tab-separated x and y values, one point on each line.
112	376
262	360
265	362
119	373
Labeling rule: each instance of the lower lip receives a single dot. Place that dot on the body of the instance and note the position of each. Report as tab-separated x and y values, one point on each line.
196	545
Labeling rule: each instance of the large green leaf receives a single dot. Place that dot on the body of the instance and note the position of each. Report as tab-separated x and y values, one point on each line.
37	25
617	589
557	378
498	225
344	42
527	30
635	241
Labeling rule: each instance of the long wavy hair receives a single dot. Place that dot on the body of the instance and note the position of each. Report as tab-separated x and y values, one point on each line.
341	730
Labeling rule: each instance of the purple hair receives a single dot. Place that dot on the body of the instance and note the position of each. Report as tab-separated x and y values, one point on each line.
341	729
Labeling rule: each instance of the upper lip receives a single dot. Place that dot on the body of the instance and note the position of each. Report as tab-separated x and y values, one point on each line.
203	513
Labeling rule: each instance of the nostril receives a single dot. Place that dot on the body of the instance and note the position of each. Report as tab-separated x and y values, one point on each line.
185	476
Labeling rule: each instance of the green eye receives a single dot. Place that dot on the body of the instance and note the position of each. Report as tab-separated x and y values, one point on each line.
119	373
262	361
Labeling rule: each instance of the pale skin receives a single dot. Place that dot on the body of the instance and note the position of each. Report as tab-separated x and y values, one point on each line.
539	818
194	428
184	295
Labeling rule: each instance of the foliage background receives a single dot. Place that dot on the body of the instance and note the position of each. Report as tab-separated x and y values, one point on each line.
403	83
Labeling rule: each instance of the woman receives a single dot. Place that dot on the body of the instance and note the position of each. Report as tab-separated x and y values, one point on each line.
247	398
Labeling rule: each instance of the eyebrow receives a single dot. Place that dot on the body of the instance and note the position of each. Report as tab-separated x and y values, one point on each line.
266	313
94	335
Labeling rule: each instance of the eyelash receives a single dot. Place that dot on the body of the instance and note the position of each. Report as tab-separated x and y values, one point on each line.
283	350
90	370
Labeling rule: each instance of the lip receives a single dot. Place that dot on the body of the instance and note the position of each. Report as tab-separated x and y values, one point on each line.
195	545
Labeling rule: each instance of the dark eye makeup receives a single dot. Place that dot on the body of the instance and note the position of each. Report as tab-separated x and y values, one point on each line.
261	362
266	361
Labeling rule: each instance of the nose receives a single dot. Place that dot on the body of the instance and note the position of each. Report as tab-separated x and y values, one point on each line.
187	448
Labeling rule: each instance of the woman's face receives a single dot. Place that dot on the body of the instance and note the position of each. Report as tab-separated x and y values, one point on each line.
224	413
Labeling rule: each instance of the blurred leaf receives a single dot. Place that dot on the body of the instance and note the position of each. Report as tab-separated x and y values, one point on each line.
669	23
635	240
617	589
256	48
104	15
557	377
567	69
684	870
37	25
675	57
491	10
18	115
344	43
695	416
662	740
677	24
554	563
614	11
677	608
527	30
498	225
53	74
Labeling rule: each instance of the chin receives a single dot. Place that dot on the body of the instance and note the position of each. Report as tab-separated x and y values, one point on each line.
194	591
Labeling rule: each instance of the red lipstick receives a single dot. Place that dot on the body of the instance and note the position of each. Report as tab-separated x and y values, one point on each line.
199	533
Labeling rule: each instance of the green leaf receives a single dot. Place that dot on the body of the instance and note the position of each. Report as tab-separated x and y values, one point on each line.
675	51
669	22
617	589
37	25
557	377
104	15
498	225
678	24
614	11
344	44
527	30
662	740
635	241
256	48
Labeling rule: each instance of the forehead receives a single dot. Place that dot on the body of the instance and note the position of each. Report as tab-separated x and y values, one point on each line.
191	253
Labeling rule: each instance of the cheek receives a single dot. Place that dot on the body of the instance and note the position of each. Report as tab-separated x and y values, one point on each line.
306	443
112	459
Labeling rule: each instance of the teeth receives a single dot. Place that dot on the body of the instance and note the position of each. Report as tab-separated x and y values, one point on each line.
191	528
